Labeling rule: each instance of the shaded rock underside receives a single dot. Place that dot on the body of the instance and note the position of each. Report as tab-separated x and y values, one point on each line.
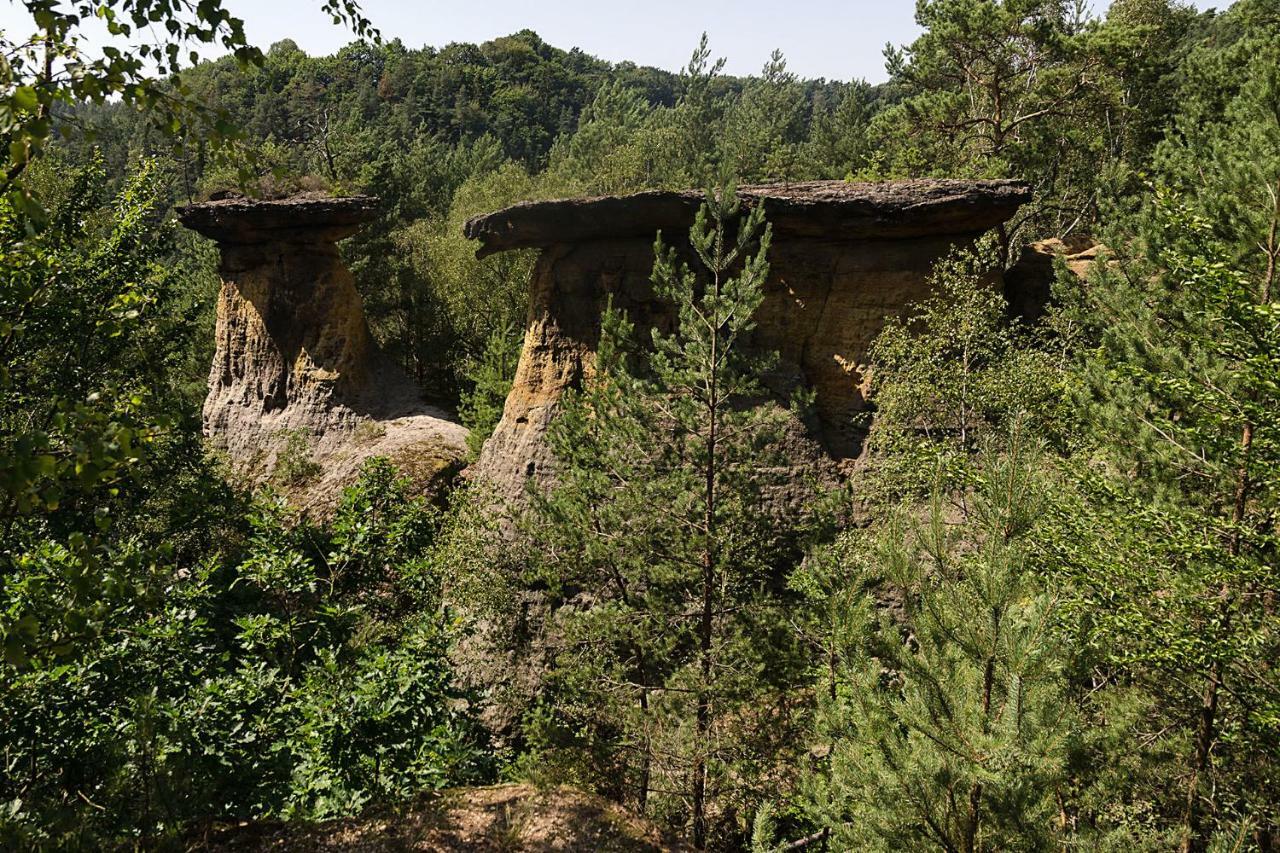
833	210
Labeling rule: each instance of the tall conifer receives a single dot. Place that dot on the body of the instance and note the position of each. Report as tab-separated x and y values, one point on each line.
661	522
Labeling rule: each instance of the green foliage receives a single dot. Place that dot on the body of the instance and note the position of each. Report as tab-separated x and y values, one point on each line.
86	427
1175	555
662	518
47	72
1171	541
379	729
294	463
1143	43
607	152
305	677
690	131
839	145
764	128
1223	152
1013	643
435	304
482	297
491	377
947	716
953	373
1005	88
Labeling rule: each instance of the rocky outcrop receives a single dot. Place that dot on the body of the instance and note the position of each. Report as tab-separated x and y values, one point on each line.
845	257
298	391
822	210
1028	284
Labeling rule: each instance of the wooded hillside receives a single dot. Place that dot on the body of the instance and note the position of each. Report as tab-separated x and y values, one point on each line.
1003	575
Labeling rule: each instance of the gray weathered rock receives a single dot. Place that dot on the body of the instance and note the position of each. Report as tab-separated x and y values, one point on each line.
824	210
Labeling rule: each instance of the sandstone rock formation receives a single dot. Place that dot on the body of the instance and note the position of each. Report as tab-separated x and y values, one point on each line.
844	258
295	372
1029	282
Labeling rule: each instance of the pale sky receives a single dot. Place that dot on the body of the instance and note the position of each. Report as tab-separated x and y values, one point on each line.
821	38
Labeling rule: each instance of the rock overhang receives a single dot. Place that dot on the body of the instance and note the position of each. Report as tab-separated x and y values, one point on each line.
308	217
824	210
846	257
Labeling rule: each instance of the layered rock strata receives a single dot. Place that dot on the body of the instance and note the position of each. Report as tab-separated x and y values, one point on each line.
845	257
298	391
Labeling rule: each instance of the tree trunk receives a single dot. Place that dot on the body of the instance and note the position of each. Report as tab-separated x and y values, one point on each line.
970	840
646	759
1206	729
702	725
1192	839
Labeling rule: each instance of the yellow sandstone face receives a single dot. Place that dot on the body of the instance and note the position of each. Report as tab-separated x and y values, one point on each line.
845	257
297	382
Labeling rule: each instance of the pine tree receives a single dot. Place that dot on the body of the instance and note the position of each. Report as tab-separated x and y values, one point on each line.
606	154
944	717
763	128
1175	557
946	712
682	147
1000	88
491	375
661	530
1142	43
838	146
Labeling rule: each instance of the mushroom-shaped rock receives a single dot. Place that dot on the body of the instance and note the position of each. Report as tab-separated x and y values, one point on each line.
298	389
309	218
845	258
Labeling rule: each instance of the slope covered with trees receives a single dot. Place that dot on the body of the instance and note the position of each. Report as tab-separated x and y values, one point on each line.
1042	615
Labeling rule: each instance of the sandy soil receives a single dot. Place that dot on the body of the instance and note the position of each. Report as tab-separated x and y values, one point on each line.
500	818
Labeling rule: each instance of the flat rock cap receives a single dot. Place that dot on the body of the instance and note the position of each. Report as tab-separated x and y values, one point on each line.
308	217
810	209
